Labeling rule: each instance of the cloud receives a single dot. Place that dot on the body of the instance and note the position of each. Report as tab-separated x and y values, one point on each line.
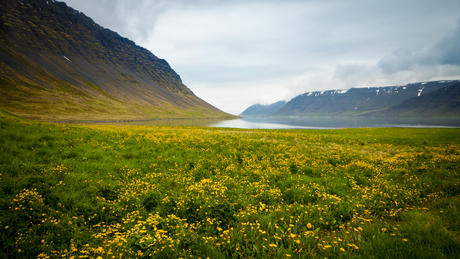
130	18
400	60
445	51
237	52
441	60
232	42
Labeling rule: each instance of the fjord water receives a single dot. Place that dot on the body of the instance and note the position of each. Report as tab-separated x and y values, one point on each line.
329	122
336	122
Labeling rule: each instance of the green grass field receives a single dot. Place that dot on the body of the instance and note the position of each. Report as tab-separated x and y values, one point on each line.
75	191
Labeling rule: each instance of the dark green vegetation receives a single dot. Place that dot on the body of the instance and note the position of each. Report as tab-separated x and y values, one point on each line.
57	64
74	191
437	98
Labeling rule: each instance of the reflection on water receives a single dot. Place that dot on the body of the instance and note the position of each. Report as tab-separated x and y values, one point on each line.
303	122
353	122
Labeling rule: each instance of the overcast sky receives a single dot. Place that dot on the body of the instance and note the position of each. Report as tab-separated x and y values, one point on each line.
236	53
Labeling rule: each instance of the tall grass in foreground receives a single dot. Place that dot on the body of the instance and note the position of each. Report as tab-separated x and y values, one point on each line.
71	191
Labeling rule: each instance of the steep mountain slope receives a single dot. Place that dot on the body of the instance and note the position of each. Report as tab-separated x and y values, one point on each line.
56	63
357	101
444	101
263	110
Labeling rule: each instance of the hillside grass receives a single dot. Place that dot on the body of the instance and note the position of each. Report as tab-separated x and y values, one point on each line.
67	103
75	191
60	91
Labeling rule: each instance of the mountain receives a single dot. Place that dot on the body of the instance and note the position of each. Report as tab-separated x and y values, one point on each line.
58	64
444	101
358	101
263	110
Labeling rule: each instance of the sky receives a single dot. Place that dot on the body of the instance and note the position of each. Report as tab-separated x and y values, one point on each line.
237	53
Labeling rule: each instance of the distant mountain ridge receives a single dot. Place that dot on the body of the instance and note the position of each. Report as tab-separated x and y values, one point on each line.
263	110
444	101
376	101
58	63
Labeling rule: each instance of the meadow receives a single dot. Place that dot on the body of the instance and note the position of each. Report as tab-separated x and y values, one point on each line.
76	191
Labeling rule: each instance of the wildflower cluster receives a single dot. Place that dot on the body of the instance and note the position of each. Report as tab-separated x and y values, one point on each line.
176	192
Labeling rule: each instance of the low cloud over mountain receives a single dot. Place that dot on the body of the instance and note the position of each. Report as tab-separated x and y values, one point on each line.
445	52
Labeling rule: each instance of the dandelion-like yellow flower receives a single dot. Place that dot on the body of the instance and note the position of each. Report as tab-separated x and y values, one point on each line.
272	245
341	249
309	225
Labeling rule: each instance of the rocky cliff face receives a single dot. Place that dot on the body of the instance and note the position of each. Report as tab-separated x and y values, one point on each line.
71	68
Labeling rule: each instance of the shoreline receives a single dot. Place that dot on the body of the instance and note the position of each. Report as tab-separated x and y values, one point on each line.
145	120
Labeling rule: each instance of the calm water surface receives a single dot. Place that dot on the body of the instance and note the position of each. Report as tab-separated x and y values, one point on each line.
304	122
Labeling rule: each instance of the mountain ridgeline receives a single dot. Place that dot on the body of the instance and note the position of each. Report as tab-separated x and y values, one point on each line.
417	99
263	110
56	63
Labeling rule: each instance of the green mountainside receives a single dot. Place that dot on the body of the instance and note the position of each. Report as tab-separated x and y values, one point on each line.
416	99
444	101
58	64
